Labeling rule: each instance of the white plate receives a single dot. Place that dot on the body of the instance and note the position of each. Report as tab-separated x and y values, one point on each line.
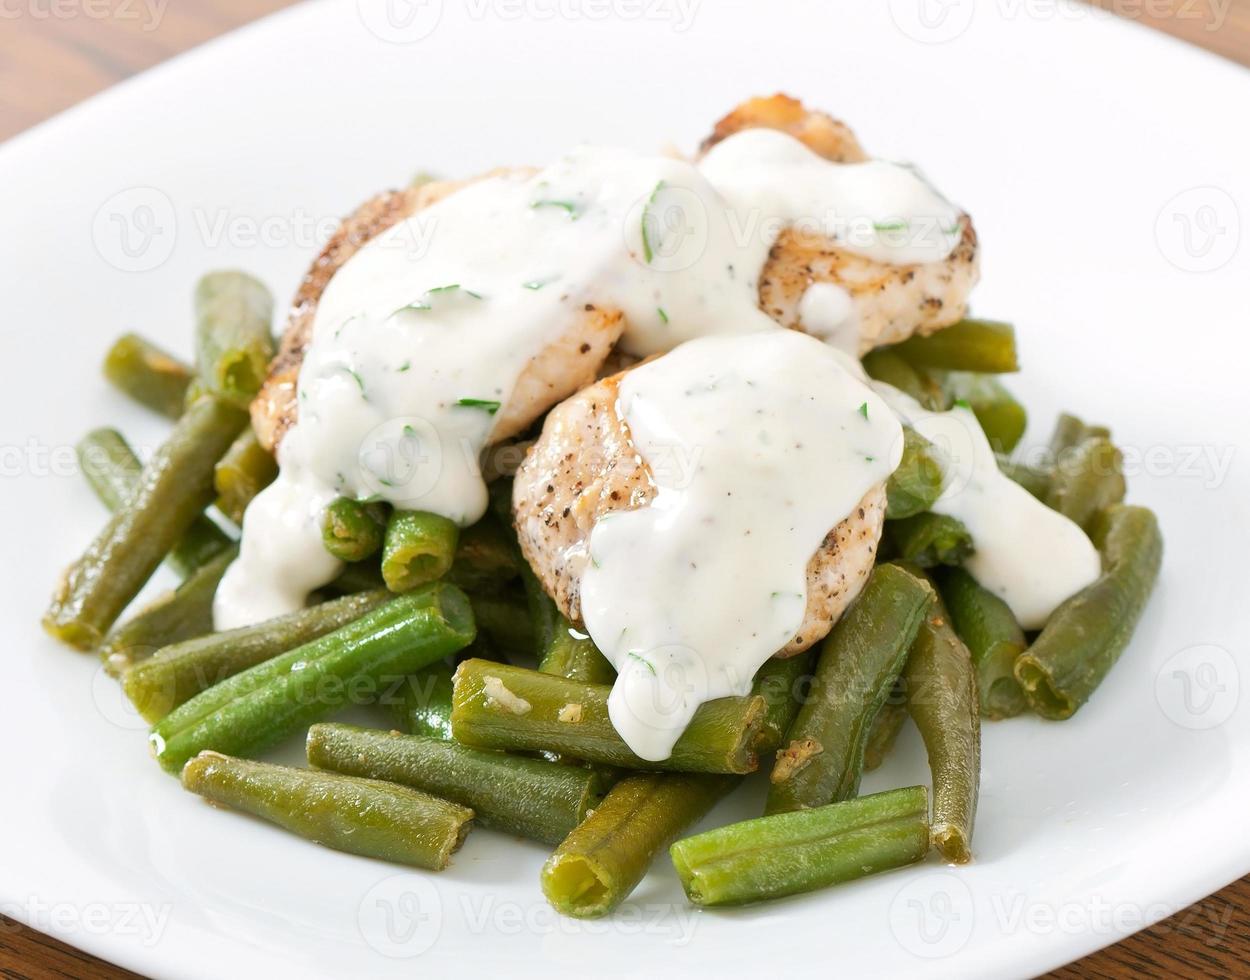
1109	183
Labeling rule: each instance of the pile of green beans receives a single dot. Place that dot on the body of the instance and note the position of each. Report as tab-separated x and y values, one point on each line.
262	705
173	490
823	757
182	670
532	798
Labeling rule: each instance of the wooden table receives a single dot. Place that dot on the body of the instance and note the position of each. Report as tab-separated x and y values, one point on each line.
49	63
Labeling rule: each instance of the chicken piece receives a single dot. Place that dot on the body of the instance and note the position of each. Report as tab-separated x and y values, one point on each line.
568	364
891	302
820	132
584	465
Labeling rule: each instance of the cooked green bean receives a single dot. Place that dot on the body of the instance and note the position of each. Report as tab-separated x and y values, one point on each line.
148	374
174	487
497	706
790	853
531	798
942	700
1002	418
884	364
423	703
485	558
113	471
928	540
1088	478
993	636
361	576
605	857
883	734
917	482
352	530
233	339
245	470
783	683
1070	432
859	661
560	648
259	707
505	620
985	346
419	548
179	672
359	816
1088	632
1034	479
178	615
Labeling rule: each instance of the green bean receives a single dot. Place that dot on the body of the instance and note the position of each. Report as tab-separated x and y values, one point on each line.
177	615
497	706
359	816
179	672
245	470
883	734
789	853
561	649
859	661
573	654
423	706
357	577
884	364
149	375
1034	479
485	558
259	707
352	530
1002	418
113	471
174	487
419	548
993	636
504	619
783	684
233	342
1087	633
1070	432
530	798
985	346
942	700
605	857
1087	479
916	483
928	540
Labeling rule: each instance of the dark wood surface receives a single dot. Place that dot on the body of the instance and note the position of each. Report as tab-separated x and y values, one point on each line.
50	63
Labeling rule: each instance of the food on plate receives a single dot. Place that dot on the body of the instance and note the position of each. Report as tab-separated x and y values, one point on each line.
611	484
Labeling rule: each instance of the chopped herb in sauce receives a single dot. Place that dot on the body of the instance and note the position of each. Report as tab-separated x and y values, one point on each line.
483	403
568	206
642	660
647	252
663	315
863	410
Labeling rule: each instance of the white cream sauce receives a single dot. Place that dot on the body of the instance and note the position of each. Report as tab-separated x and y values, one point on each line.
1029	555
827	311
422	335
758	446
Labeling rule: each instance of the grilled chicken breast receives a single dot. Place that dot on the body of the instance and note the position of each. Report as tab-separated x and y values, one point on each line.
584	466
